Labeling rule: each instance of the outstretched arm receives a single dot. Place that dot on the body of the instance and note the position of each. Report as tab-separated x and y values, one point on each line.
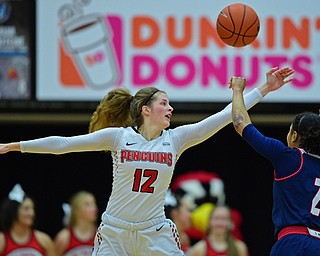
100	140
189	135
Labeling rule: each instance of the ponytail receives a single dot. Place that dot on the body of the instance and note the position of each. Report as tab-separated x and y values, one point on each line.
113	111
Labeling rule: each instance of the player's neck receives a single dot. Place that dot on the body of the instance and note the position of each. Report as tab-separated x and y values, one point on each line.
149	133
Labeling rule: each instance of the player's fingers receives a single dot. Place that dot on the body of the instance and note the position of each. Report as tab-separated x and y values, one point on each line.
286	71
286	74
289	73
278	75
287	81
272	70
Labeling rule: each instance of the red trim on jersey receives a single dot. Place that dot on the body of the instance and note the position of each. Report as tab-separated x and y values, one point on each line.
12	247
289	176
298	230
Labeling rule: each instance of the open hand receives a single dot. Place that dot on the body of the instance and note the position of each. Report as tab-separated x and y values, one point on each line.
277	77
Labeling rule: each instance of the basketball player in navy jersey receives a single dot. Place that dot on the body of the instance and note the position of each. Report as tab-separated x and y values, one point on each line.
296	188
144	152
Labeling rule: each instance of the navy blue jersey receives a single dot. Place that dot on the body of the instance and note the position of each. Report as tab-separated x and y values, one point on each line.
296	188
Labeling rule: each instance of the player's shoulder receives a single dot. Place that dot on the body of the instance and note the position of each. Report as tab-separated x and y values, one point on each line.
130	129
167	132
128	132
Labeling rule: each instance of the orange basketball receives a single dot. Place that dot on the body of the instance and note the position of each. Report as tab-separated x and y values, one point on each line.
238	25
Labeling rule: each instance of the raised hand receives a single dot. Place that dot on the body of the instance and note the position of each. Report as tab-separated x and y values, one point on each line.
277	77
238	83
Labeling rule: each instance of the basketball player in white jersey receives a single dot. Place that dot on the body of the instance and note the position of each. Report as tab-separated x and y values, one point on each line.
144	151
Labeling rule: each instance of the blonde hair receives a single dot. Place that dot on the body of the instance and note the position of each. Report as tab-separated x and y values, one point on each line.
75	202
120	109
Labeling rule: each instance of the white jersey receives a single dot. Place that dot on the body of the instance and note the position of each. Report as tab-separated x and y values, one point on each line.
142	173
142	169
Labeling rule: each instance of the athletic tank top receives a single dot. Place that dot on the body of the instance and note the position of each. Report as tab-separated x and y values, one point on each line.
31	248
212	252
77	247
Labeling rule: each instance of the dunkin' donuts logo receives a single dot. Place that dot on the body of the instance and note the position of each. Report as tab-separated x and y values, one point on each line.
90	53
89	49
182	52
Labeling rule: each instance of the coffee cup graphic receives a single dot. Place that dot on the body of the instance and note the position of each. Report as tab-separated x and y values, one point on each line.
88	40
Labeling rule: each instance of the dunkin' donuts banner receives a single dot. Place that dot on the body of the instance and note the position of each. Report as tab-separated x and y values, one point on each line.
87	47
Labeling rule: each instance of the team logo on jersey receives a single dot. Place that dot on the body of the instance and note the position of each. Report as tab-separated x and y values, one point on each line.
159	228
145	156
130	144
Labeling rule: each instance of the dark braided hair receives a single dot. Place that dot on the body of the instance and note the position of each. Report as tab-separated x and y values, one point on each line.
307	125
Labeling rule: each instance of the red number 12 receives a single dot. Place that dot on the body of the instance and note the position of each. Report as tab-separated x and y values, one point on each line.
145	187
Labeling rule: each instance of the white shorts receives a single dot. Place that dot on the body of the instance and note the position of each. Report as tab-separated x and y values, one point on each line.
120	238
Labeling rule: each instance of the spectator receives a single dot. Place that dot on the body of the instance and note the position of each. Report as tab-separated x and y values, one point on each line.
219	239
18	236
179	212
80	218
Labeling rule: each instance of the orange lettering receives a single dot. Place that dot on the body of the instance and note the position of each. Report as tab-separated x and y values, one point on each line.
138	37
291	32
208	31
186	35
318	23
270	25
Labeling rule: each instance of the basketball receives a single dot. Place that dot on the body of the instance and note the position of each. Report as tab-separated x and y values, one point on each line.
238	25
